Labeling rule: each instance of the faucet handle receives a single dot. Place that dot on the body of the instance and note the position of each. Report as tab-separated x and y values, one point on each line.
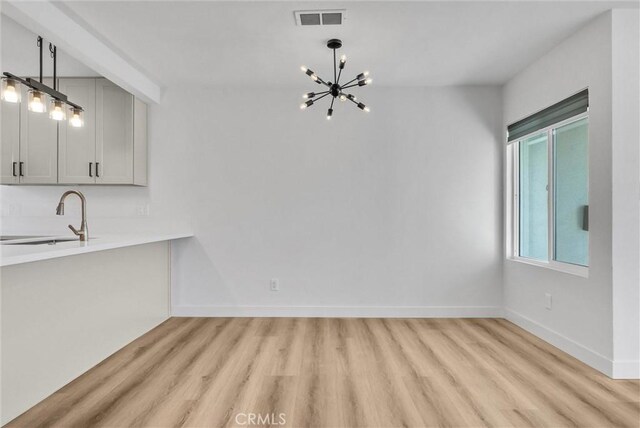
74	230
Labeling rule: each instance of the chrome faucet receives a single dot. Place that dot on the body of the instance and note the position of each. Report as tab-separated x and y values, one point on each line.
83	233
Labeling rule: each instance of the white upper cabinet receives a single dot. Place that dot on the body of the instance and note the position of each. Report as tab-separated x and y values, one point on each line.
10	143
38	146
77	146
111	147
114	134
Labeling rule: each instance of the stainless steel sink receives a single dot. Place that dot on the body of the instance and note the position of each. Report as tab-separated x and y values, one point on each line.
43	241
16	237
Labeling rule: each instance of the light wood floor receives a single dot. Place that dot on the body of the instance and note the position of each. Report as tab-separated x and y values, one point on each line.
204	372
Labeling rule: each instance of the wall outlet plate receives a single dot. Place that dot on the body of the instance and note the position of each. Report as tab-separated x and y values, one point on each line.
274	284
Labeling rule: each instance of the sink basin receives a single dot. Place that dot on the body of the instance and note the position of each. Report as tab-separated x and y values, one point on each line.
42	241
16	237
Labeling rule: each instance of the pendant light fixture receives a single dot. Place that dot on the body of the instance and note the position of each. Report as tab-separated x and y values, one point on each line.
10	90
41	97
335	89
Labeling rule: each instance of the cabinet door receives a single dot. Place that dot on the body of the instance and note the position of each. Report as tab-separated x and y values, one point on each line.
114	134
38	146
77	146
10	143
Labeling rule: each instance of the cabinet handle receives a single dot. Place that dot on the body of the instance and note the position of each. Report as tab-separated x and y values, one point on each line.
13	169
97	170
90	169
20	169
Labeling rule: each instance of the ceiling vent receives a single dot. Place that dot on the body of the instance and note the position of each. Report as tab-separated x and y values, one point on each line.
320	17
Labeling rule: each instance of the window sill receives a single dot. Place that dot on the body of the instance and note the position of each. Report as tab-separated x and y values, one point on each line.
581	271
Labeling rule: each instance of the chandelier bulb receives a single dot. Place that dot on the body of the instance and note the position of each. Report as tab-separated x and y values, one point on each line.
303	68
76	119
343	97
10	91
58	110
37	101
329	113
362	75
363	107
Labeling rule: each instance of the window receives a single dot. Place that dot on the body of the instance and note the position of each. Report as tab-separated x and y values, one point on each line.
550	179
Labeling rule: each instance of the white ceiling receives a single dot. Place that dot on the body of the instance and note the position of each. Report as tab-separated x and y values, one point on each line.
401	43
20	54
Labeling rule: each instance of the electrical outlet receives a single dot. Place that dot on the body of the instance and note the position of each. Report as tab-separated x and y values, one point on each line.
142	210
274	284
547	301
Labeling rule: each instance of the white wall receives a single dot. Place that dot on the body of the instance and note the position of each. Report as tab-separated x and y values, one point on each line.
581	321
626	184
395	213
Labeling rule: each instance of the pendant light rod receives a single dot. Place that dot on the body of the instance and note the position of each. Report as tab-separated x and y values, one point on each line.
335	78
53	49
40	49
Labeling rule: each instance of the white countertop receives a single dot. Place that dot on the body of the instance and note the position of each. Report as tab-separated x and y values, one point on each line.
17	254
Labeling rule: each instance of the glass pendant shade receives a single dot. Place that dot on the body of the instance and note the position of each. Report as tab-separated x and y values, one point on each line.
37	101
57	110
77	118
10	90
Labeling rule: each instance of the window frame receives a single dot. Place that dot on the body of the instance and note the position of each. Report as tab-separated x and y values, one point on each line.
513	155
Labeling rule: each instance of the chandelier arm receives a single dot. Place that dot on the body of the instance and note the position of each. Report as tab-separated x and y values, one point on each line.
321	93
339	74
350	86
315	100
323	82
350	81
352	100
332	100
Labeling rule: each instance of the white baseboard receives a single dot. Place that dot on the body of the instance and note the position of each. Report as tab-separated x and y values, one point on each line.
340	311
575	349
629	369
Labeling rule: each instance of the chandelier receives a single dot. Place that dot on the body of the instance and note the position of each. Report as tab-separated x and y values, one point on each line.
41	96
335	89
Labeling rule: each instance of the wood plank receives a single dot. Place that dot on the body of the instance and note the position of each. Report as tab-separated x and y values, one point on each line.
300	372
